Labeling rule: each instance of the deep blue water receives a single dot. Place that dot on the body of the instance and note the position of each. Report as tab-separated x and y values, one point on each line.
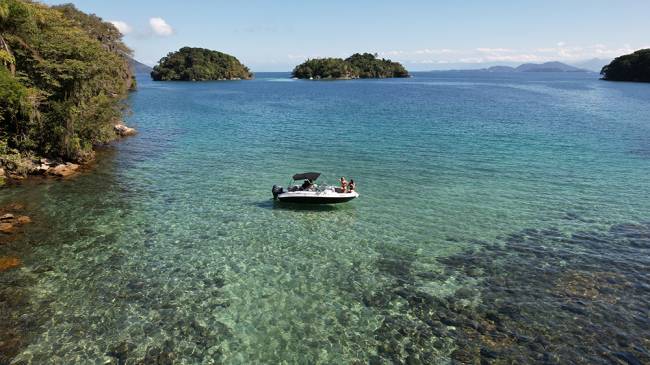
501	217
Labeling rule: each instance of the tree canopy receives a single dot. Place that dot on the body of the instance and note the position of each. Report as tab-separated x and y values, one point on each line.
199	64
63	76
631	67
359	65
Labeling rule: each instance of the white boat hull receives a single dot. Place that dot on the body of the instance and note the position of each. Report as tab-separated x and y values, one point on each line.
316	197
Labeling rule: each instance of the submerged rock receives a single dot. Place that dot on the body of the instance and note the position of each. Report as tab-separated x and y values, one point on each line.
23	219
6	228
123	131
13	207
7	263
536	296
121	351
9	221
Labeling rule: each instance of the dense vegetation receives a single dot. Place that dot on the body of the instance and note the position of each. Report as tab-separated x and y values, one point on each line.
358	65
199	64
631	67
63	76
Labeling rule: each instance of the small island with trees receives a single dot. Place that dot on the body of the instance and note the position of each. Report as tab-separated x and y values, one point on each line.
631	67
357	66
199	64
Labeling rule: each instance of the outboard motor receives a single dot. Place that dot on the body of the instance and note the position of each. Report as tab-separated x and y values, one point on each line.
277	190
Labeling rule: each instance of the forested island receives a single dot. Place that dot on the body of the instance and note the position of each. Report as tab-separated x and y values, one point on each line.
63	77
364	66
631	67
199	64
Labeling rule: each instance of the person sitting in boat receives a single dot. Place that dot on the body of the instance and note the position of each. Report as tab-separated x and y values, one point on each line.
344	185
308	184
351	186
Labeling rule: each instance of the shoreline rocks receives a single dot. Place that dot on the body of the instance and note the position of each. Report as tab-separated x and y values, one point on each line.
19	168
11	219
41	167
123	130
63	170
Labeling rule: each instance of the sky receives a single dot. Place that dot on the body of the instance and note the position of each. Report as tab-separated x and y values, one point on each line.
276	35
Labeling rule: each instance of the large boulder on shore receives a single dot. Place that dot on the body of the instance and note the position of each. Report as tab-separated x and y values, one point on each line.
123	131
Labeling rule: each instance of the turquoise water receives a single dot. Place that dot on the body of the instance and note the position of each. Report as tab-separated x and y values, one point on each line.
501	217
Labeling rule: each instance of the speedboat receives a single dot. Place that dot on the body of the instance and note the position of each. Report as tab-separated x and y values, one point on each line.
310	193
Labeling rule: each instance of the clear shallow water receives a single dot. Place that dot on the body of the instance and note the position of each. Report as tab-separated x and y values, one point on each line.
502	216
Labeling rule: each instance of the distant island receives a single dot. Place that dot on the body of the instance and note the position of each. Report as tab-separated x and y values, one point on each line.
199	64
631	67
357	66
536	67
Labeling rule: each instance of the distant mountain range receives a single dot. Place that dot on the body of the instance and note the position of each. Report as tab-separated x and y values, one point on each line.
139	67
536	67
594	64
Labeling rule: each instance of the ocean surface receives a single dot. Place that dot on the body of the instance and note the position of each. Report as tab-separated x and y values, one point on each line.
502	218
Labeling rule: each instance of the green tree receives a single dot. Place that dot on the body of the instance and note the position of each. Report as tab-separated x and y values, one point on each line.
358	65
199	64
64	78
631	67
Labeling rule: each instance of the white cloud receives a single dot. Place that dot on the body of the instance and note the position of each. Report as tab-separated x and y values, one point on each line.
433	51
392	53
302	56
430	62
160	27
494	50
578	53
123	27
559	51
424	51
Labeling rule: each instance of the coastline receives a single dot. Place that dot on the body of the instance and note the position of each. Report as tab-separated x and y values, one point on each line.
15	168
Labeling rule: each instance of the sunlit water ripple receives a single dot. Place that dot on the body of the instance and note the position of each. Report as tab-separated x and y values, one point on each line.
502	216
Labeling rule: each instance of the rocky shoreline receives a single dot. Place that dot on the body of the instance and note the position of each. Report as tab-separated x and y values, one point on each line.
12	171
